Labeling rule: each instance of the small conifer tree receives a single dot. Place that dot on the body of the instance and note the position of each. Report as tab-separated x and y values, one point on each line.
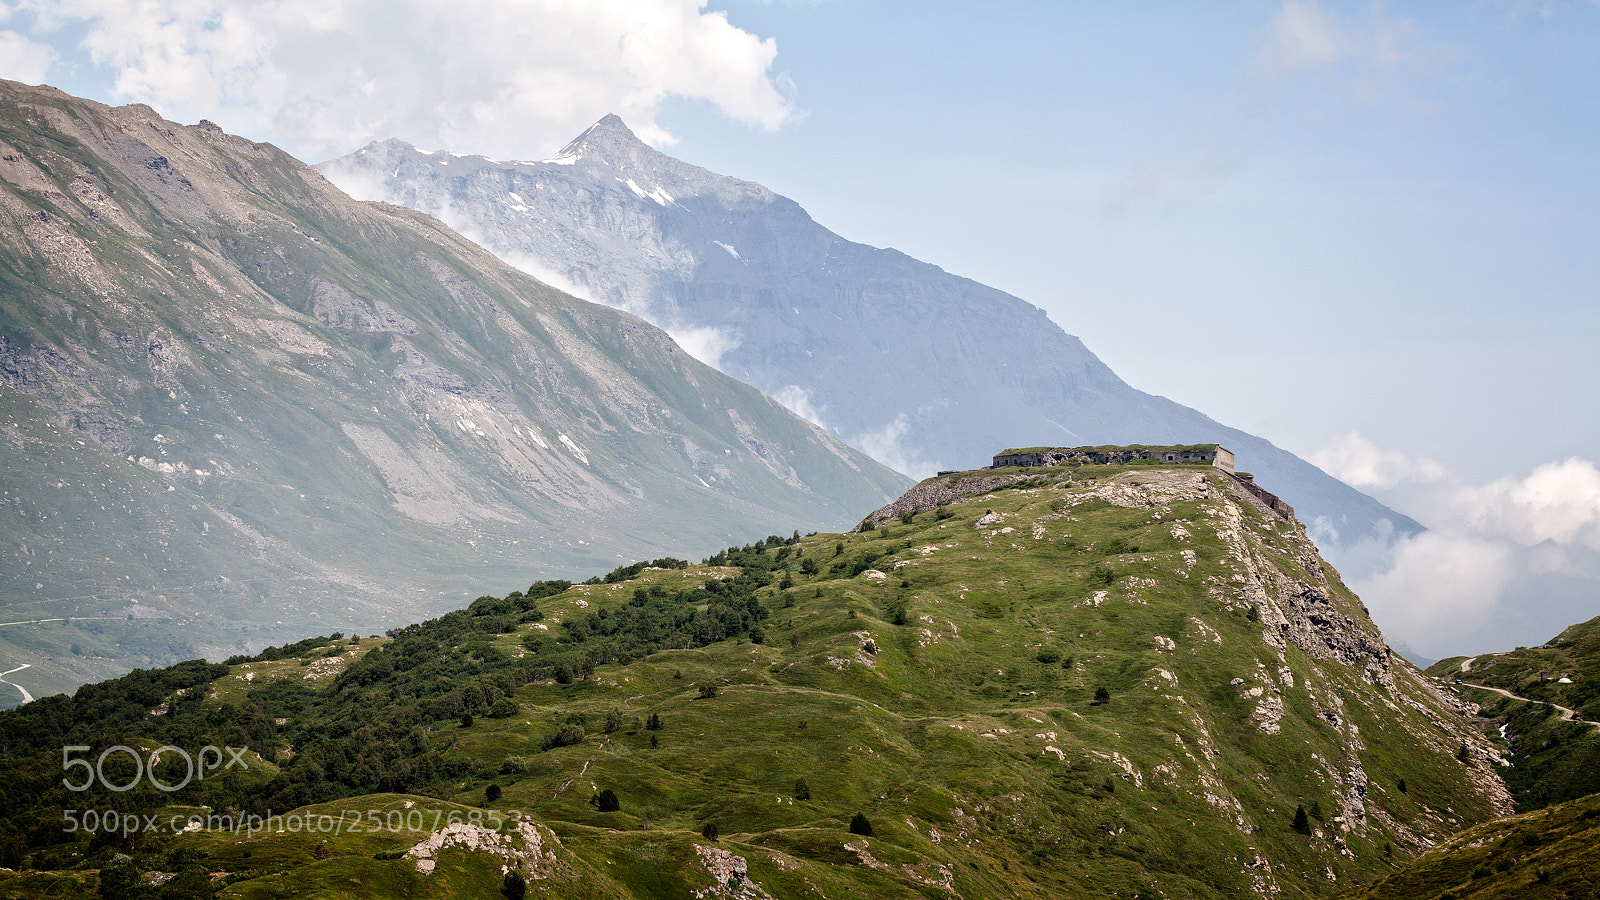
802	791
1302	822
860	825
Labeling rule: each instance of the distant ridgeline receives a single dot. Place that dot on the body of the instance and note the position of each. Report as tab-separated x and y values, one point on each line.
1177	454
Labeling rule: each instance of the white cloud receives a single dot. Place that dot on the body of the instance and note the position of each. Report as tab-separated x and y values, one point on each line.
511	80
24	60
798	400
706	343
1440	587
1559	503
1360	463
1303	35
1507	563
887	445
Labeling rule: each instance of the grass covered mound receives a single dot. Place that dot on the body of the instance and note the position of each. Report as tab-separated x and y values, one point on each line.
1103	681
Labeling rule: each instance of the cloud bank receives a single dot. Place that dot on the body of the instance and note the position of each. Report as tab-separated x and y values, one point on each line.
1507	563
22	59
507	79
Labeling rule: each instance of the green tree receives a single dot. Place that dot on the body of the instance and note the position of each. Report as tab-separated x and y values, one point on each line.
606	801
120	879
1101	695
1302	822
514	887
709	832
802	791
860	825
491	793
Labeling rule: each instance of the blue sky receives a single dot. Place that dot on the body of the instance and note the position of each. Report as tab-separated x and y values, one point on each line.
1367	231
1396	236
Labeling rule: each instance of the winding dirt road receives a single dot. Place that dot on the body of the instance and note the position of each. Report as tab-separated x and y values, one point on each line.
1567	715
26	697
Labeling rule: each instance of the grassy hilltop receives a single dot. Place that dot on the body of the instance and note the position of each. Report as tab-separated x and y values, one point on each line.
1074	682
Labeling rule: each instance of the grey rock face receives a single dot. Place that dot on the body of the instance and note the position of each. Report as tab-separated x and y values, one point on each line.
922	369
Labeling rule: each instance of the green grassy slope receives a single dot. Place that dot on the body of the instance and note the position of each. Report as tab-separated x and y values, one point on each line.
940	675
1554	759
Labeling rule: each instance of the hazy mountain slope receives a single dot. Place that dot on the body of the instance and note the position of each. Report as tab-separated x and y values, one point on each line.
1534	696
937	676
921	368
238	404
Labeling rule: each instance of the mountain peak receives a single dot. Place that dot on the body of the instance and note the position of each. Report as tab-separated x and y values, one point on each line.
609	140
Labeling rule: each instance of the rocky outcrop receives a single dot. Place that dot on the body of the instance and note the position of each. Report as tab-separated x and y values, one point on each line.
521	849
938	491
730	875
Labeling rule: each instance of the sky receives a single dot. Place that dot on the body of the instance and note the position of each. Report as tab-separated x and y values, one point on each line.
1369	232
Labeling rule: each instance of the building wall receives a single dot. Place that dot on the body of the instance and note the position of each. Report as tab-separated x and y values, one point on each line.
1061	456
1224	460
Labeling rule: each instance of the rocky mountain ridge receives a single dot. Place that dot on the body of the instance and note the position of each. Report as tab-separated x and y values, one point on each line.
236	404
922	369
